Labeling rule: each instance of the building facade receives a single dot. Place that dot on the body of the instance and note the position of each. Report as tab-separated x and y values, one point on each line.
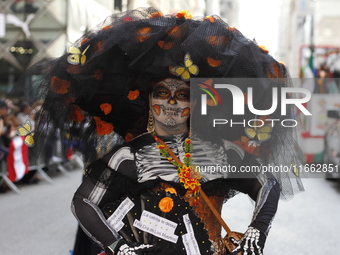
33	30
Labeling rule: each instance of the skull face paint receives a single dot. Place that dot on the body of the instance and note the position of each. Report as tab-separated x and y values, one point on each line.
170	102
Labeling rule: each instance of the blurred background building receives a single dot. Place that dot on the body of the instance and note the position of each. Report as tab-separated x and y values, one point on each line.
305	23
32	30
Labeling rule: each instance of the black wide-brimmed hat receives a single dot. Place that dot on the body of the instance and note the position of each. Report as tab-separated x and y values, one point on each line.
100	85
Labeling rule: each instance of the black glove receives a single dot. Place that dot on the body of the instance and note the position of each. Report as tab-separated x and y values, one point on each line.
252	243
130	248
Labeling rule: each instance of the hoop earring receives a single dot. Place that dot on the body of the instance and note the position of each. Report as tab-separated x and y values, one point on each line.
151	123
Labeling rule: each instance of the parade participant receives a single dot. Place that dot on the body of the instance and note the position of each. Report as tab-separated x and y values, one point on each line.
123	90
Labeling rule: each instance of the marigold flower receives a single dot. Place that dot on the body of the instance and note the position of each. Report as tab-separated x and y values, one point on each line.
264	48
76	114
214	62
210	18
184	14
84	41
98	74
217	40
156	14
60	86
133	94
129	137
106	108
107	27
171	190
165	45
102	127
175	32
143	34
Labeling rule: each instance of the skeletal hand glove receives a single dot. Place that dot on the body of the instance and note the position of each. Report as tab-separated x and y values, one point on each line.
129	248
252	243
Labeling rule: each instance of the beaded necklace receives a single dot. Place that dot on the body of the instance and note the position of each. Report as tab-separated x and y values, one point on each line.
186	171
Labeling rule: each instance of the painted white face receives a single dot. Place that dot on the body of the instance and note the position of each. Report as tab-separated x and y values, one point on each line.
170	102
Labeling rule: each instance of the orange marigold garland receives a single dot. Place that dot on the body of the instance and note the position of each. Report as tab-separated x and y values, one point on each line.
186	171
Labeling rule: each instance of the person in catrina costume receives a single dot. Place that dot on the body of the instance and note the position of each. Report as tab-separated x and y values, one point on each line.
122	93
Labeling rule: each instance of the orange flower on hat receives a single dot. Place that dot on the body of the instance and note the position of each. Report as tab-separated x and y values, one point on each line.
74	69
275	71
84	41
156	14
165	45
217	40
129	137
133	94
107	27
166	204
102	127
98	74
68	100
263	48
210	18
60	86
76	114
106	108
184	14
143	33
175	32
214	62
99	47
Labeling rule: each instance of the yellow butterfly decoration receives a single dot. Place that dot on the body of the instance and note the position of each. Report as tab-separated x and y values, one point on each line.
186	70
26	130
261	133
295	169
77	56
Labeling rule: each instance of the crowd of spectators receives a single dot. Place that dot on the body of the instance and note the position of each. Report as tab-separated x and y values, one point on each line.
13	114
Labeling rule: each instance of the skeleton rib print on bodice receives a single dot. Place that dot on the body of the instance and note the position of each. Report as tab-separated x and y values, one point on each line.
150	165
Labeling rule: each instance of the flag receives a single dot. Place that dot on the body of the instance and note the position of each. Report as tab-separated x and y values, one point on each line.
17	159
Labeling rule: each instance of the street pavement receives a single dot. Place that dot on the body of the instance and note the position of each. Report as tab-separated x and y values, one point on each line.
39	221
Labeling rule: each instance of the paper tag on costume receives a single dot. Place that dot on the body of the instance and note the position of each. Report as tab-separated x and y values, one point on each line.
157	226
116	219
189	240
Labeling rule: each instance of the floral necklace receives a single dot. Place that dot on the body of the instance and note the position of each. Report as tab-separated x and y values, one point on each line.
186	172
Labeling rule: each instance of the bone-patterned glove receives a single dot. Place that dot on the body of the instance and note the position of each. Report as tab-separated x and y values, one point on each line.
130	248
252	243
